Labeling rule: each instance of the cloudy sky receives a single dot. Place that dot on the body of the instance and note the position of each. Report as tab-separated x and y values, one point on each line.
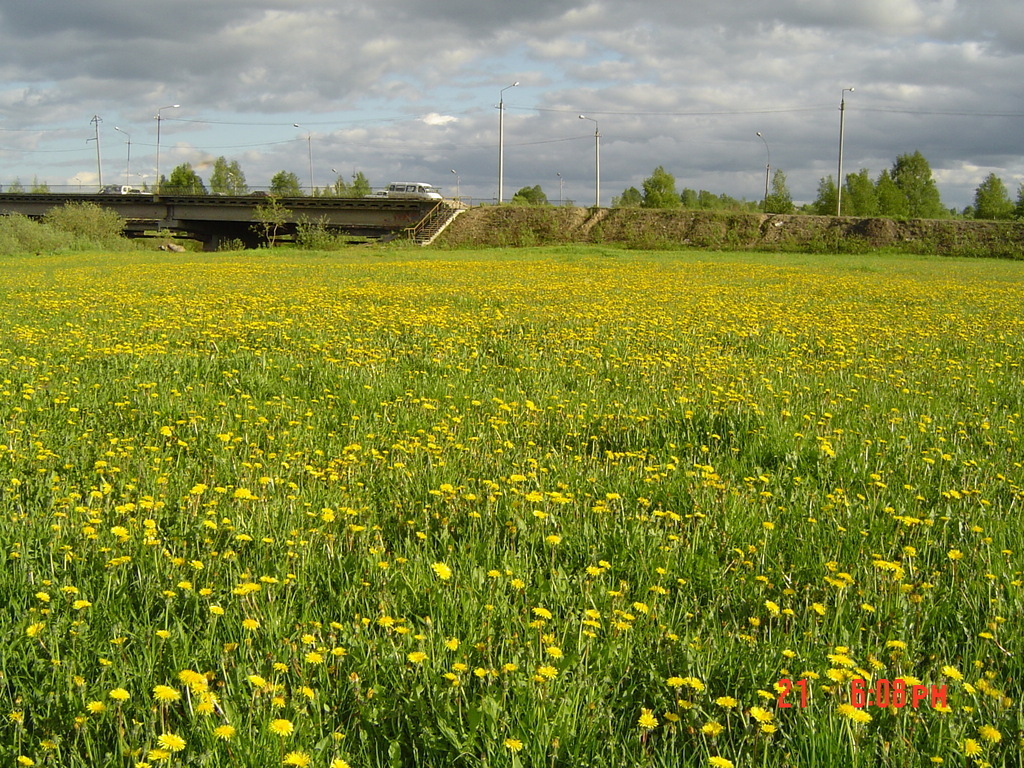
408	90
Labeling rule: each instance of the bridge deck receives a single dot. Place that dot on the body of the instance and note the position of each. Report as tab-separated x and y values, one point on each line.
212	217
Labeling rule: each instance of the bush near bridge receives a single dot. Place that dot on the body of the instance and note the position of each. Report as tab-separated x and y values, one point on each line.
73	227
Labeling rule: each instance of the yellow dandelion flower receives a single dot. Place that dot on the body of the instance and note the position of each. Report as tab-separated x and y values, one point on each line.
952	672
852	713
970	748
339	763
299	759
96	707
443	571
712	728
281	727
989	734
164	693
119	694
172	742
647	719
417	657
726	701
224	732
720	762
761	715
513	745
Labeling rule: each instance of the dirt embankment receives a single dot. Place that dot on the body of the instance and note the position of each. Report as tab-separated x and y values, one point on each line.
642	228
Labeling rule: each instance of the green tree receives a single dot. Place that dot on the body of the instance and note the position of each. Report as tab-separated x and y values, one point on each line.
530	196
338	188
1018	210
184	181
285	184
271	218
227	178
689	198
859	195
991	199
825	203
891	200
40	187
360	186
708	201
779	200
16	186
630	198
913	177
660	190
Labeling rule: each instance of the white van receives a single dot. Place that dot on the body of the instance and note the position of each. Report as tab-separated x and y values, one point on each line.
121	190
413	189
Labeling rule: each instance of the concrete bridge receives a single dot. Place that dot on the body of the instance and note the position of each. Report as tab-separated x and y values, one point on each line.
213	219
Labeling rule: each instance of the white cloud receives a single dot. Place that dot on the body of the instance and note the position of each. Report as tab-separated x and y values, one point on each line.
435	119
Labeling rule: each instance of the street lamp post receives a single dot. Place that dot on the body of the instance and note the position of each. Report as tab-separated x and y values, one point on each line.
159	118
309	150
767	170
501	140
458	185
597	160
839	180
128	164
96	120
561	186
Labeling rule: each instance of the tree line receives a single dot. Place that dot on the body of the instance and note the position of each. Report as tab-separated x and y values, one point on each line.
907	190
227	178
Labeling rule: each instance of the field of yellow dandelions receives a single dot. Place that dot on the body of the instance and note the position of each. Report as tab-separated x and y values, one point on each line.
574	507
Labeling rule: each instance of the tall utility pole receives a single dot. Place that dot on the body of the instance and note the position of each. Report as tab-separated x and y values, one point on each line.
159	117
839	181
767	170
597	160
501	140
96	120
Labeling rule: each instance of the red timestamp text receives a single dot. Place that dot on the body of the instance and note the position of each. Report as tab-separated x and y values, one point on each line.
880	692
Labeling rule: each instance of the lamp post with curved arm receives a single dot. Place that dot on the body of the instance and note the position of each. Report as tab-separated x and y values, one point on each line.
597	160
128	163
159	118
309	151
501	140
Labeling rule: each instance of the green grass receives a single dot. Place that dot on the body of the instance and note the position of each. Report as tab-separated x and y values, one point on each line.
478	508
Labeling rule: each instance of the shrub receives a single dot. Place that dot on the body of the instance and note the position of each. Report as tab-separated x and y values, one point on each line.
20	234
89	224
317	236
